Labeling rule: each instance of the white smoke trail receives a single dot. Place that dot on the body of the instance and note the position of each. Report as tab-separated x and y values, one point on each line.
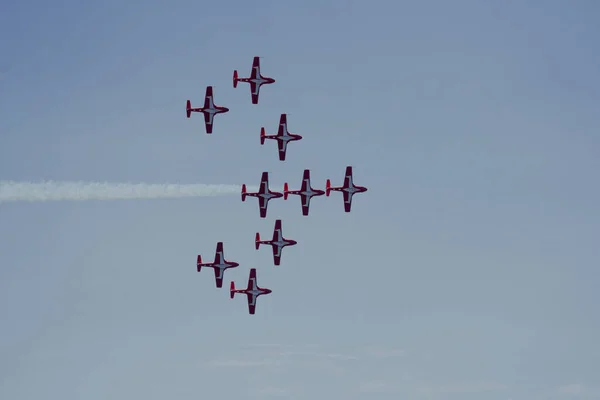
52	191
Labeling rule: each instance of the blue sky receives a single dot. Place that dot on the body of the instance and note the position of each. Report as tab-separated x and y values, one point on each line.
469	270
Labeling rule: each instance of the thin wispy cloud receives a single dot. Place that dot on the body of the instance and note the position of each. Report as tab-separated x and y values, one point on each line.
300	350
371	351
283	357
462	387
573	389
379	386
384	352
272	391
243	362
579	390
268	345
325	362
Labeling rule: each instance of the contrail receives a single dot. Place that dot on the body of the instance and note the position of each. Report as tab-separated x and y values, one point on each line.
53	191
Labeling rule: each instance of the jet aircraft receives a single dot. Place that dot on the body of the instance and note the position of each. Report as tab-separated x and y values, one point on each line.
283	137
256	80
253	291
278	242
348	189
209	110
306	192
219	265
264	194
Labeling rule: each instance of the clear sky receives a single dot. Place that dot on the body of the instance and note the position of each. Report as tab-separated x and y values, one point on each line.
469	270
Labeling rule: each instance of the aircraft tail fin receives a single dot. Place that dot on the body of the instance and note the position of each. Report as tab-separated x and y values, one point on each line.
235	78
244	192
199	262
188	108
231	290
262	135
285	191
257	241
327	187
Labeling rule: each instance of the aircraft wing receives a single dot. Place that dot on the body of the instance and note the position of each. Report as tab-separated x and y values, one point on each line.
282	130
254	91
347	201
264	183
252	285
219	253
282	125
252	279
264	188
255	68
208	102
208	97
348	177
277	236
276	254
305	186
282	146
262	206
208	122
251	303
277	231
305	204
305	180
254	88
219	276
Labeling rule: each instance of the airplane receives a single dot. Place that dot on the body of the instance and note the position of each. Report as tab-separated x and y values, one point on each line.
219	265
306	192
252	291
264	194
282	136
278	242
256	80
209	110
349	189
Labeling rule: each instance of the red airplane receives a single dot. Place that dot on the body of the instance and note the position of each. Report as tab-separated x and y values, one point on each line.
256	80
306	192
209	110
282	136
252	291
349	189
264	194
278	242
219	265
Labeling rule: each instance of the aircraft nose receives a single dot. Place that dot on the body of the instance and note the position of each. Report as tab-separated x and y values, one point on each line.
225	109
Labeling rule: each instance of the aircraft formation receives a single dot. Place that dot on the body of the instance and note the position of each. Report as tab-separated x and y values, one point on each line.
264	194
